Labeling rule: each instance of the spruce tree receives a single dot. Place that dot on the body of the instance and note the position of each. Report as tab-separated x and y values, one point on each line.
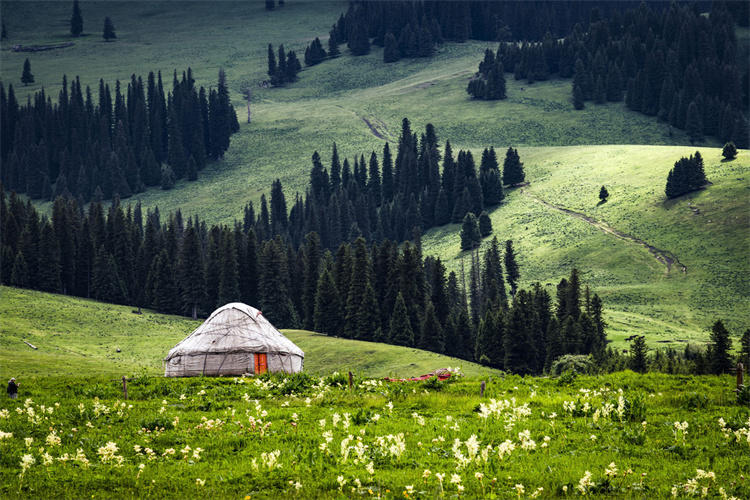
720	359
603	194
730	151
400	329
391	52
109	30
470	235
190	272
744	354
485	225
511	267
76	20
26	76
271	61
638	351
513	173
431	335
327	316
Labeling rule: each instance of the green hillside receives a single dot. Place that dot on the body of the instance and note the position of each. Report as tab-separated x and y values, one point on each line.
360	102
331	102
80	337
706	232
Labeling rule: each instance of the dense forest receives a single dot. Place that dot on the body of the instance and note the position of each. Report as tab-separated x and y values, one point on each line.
672	63
82	148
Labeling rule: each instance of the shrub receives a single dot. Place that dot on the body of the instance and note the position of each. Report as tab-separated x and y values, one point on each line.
578	363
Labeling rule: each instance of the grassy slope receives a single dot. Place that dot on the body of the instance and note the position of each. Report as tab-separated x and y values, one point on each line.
80	337
641	296
329	103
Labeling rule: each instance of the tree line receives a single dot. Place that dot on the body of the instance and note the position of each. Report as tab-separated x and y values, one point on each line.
120	144
378	292
672	63
385	197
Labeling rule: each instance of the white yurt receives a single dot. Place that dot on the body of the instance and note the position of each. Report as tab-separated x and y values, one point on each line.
235	340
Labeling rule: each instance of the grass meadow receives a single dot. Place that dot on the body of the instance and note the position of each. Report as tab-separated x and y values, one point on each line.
619	436
568	154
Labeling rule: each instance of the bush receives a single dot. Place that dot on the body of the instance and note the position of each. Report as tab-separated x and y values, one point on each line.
578	363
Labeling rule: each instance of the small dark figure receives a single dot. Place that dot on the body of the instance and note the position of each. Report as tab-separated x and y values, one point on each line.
13	388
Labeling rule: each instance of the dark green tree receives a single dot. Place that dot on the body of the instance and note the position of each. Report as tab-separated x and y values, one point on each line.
744	354
328	310
431	335
271	61
26	76
720	359
19	276
360	44
513	173
511	267
470	235
638	350
109	30
603	194
190	272
730	151
76	20
485	225
229	287
391	52
401	332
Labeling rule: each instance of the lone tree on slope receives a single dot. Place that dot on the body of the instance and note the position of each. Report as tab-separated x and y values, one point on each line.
27	77
109	30
76	21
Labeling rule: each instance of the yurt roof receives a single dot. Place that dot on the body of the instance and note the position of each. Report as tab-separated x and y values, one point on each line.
235	327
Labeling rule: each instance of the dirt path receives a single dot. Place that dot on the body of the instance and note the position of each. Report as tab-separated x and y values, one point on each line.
375	130
665	257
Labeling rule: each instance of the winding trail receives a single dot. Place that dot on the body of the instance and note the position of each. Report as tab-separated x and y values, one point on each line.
664	256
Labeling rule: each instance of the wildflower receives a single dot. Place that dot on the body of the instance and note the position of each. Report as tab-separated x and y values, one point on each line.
593	438
168	451
341	481
612	471
390	406
455	479
297	486
6	435
200	482
440	476
53	439
585	482
197	453
426	473
478	475
519	490
537	492
26	462
28	441
47	459
370	468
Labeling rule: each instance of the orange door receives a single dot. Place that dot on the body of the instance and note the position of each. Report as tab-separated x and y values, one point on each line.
261	365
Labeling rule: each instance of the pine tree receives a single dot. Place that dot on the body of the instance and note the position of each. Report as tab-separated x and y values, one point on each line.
720	359
431	335
485	225
190	272
638	350
513	173
328	308
744	354
730	151
511	267
76	21
333	43
578	97
391	52
271	61
400	330
603	194
360	45
470	235
109	30
26	76
694	123
229	288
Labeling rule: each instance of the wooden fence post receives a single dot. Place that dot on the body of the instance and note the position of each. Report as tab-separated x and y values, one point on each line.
481	388
351	381
124	385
